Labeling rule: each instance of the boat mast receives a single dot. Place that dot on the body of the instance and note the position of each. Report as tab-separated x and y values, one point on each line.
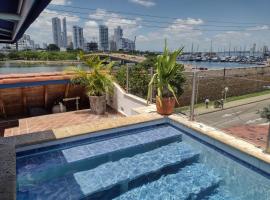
211	49
230	49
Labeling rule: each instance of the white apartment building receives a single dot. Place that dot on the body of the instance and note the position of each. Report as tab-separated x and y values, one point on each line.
78	40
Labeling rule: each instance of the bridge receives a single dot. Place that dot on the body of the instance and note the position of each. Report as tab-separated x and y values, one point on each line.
121	56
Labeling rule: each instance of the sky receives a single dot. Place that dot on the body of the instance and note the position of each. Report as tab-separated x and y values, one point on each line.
235	23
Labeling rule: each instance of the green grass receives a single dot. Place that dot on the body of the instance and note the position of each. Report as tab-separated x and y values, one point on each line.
229	99
235	98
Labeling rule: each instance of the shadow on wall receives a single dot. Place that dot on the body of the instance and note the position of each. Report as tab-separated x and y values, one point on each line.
123	102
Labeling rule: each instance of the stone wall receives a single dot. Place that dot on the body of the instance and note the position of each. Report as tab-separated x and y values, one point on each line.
240	81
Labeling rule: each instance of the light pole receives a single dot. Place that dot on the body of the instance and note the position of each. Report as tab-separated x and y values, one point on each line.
193	96
226	89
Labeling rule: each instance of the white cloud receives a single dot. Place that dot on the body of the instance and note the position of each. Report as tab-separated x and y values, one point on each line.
258	28
236	38
185	27
145	3
91	30
112	20
181	32
61	2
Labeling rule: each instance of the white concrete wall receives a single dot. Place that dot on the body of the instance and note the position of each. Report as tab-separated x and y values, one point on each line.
125	103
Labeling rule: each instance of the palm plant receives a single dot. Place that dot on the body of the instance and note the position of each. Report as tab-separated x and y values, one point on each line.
97	80
166	70
265	113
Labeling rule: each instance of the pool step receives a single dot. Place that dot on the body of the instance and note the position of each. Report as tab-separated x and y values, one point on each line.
88	156
192	182
221	194
114	177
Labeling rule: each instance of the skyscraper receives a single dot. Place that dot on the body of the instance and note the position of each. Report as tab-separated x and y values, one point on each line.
118	35
78	41
56	29
103	38
64	33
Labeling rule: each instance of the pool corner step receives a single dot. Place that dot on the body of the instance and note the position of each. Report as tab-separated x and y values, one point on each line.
88	156
136	169
191	182
116	176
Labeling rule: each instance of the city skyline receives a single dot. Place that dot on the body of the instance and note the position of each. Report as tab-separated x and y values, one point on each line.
185	22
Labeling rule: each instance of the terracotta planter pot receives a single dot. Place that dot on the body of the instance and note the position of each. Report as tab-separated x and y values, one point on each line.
165	106
98	104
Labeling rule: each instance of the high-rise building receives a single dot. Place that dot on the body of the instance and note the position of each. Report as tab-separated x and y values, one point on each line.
64	33
56	29
113	45
24	43
45	45
127	44
91	46
103	38
78	41
69	42
118	35
118	42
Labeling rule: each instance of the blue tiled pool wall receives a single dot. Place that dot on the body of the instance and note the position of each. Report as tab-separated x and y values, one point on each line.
79	158
89	138
239	177
235	176
87	181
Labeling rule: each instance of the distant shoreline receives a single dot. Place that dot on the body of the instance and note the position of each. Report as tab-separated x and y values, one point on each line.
45	62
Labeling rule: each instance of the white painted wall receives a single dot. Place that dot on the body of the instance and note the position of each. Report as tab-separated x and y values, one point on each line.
125	103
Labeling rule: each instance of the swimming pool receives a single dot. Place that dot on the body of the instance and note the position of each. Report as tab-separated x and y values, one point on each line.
161	160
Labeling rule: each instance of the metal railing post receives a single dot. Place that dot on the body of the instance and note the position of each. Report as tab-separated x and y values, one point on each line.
151	75
127	78
193	96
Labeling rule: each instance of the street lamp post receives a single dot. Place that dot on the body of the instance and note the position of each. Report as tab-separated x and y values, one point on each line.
226	89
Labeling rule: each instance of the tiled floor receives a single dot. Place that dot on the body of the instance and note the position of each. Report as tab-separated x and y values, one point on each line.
48	122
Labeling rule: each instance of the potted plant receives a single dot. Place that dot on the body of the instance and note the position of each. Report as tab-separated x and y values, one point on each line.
168	79
97	81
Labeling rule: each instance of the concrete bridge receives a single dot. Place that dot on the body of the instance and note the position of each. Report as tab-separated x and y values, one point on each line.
121	56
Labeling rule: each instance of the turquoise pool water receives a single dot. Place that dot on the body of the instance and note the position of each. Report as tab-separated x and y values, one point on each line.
152	162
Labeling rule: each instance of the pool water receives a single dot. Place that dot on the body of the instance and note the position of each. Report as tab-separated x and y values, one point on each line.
152	162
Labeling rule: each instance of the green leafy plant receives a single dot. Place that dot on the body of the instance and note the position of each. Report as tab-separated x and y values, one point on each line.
97	80
265	113
167	70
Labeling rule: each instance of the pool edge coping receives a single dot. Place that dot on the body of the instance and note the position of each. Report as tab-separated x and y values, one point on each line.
256	156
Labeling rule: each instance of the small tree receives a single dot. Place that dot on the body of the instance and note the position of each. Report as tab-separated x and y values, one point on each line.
2	56
53	47
265	113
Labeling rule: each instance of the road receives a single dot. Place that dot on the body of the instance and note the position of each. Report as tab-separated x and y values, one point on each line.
237	116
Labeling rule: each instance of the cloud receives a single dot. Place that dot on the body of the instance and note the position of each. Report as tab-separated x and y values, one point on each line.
185	27
91	30
180	32
145	3
235	38
61	2
258	28
112	20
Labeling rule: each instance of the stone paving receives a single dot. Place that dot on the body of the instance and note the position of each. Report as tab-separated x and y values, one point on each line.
254	134
7	172
52	121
